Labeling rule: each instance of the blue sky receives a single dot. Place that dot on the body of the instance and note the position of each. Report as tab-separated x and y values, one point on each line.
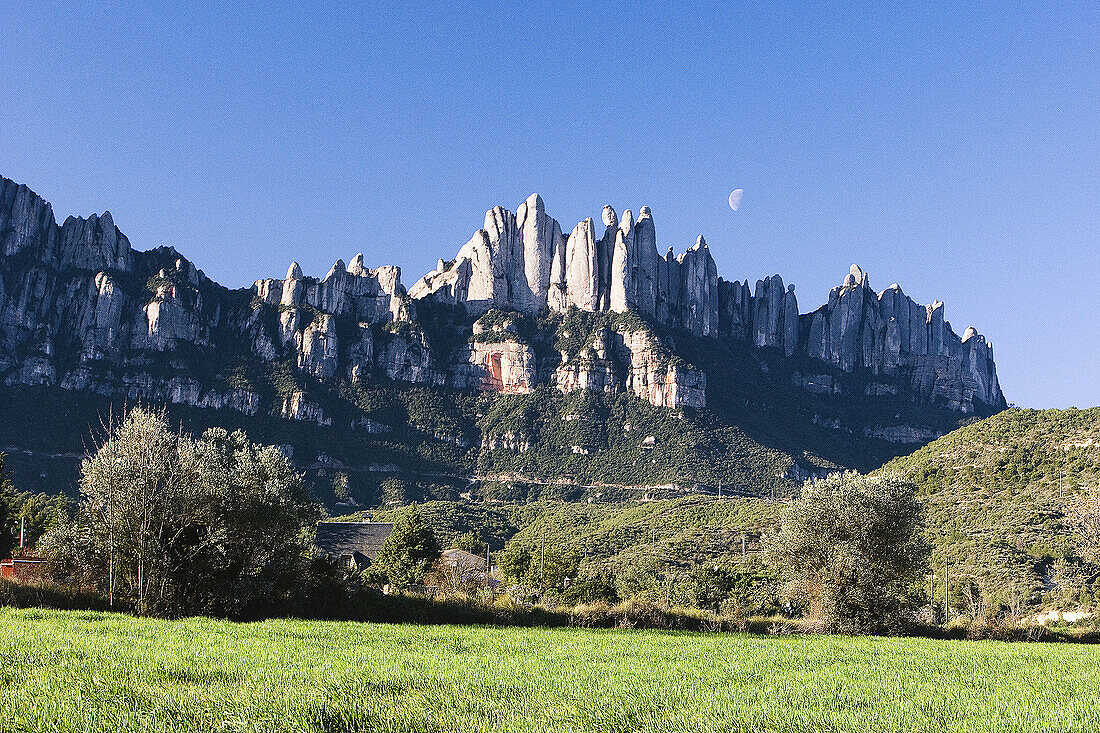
953	148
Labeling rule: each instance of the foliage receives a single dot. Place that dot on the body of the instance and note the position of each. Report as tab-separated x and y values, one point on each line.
646	548
409	552
996	494
470	542
538	568
1083	516
851	548
182	526
590	590
36	513
7	498
20	594
741	589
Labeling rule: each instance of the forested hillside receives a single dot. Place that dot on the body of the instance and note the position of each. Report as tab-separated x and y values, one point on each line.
996	493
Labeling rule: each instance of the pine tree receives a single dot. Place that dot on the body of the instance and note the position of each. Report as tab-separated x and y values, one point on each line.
410	550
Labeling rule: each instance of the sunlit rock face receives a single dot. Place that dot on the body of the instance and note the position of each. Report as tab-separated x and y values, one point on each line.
635	362
888	333
507	367
503	267
80	309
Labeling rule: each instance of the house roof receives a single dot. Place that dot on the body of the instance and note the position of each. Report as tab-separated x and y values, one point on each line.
339	539
462	559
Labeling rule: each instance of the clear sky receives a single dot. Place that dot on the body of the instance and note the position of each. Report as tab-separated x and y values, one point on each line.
951	147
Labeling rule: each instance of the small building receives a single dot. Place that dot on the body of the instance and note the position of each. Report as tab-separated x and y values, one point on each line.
466	565
24	568
354	543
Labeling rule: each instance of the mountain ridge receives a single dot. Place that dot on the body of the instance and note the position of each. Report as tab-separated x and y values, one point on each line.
520	262
865	374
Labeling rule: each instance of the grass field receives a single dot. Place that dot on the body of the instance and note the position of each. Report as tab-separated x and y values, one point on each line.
90	672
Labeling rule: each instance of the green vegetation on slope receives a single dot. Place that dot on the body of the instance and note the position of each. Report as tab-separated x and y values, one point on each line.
695	527
431	443
995	492
759	434
654	549
92	672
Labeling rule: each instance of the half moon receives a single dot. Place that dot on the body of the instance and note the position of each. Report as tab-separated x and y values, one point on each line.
735	198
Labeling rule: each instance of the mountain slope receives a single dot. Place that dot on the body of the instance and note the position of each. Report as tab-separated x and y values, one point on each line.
532	363
995	492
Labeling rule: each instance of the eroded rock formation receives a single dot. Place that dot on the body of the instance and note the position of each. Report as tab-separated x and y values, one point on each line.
887	333
80	309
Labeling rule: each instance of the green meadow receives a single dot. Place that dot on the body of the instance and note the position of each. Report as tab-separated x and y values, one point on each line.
90	672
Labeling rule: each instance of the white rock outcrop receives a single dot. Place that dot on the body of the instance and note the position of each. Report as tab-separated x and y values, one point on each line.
81	310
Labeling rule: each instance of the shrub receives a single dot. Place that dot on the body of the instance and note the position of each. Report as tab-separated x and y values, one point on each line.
183	526
49	595
590	590
852	550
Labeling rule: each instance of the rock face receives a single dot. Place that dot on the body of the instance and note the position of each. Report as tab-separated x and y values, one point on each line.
889	334
632	361
508	367
523	262
81	310
886	334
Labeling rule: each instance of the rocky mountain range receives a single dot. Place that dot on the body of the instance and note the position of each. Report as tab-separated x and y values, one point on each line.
80	309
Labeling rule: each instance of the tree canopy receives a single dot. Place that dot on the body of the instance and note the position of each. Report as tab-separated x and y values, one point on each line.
37	513
852	551
409	552
178	525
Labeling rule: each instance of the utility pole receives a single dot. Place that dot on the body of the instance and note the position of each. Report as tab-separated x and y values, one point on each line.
22	520
946	594
742	545
542	566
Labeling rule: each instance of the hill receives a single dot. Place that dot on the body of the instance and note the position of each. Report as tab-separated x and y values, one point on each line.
996	492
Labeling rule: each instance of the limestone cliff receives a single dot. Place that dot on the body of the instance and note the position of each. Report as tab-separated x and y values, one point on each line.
885	334
81	310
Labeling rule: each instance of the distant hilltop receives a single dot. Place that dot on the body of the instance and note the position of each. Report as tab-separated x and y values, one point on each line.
81	310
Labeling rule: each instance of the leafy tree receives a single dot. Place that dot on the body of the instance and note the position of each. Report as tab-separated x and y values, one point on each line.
712	585
742	590
394	491
590	590
37	513
241	549
409	552
7	501
470	542
852	549
515	561
184	526
538	568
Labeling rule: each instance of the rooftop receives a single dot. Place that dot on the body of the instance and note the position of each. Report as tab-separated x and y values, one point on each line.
343	539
